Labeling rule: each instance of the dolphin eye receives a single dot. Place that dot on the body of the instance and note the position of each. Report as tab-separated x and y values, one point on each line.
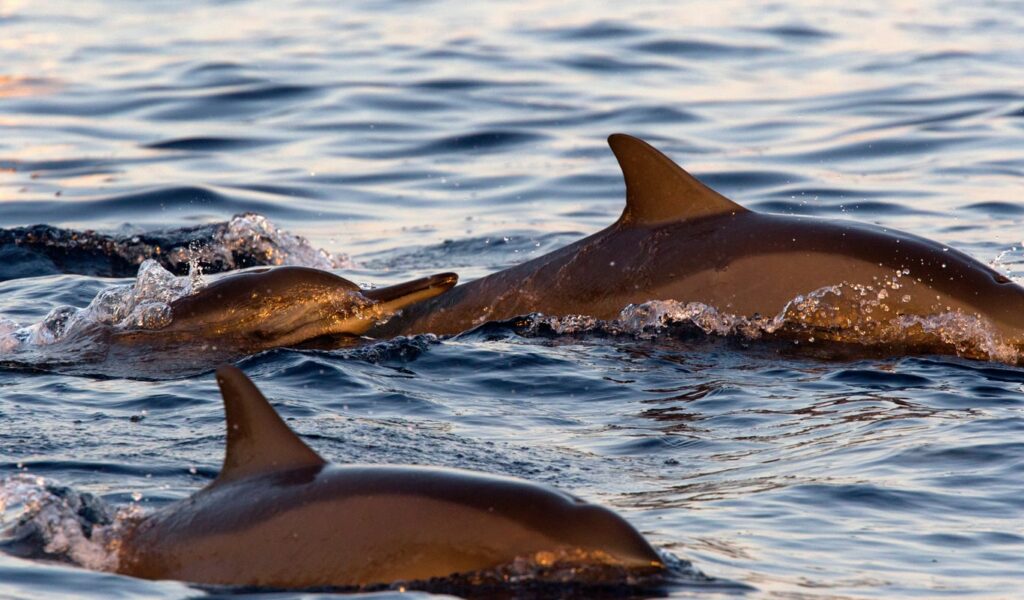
1000	278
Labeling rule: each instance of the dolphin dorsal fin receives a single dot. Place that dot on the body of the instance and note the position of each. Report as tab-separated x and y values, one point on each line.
259	441
660	191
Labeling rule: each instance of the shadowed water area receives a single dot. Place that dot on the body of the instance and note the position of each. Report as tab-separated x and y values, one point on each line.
392	140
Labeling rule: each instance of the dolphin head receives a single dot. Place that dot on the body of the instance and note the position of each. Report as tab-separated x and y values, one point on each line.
289	305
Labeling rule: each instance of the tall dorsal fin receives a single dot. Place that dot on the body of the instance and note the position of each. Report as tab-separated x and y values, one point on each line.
658	190
259	441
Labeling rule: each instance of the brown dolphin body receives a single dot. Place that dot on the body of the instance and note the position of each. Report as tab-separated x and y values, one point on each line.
279	516
266	308
680	240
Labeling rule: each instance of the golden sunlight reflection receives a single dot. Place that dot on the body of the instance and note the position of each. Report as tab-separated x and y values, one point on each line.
14	86
9	7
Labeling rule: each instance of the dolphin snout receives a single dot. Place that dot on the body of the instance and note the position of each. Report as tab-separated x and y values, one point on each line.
396	297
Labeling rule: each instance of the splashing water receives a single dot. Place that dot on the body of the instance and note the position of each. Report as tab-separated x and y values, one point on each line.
254	235
247	240
856	314
41	520
848	314
144	304
1011	263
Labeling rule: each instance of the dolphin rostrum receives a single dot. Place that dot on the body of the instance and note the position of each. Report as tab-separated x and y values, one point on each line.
266	308
279	516
679	240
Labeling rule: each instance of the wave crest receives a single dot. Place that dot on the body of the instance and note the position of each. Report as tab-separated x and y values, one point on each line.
246	240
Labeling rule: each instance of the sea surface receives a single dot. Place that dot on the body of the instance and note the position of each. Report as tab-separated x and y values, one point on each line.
394	139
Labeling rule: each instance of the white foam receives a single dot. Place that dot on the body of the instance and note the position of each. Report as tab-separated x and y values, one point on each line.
256	234
845	313
144	304
61	523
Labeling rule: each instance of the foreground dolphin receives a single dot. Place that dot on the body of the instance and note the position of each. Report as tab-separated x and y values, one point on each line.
282	306
680	240
279	516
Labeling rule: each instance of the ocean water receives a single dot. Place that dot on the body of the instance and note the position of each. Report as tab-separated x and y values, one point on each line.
389	139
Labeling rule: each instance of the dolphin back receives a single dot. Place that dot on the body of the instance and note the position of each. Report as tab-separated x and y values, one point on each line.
278	516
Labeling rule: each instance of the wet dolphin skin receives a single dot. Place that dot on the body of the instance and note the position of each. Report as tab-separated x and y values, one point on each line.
279	516
272	307
680	240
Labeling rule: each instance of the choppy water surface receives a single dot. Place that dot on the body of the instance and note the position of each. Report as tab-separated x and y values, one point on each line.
406	138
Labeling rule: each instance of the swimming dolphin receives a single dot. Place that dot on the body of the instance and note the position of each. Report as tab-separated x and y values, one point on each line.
282	306
679	240
279	516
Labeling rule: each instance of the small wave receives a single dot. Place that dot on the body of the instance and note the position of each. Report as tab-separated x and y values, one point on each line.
246	100
456	84
493	252
702	49
795	32
401	349
628	115
480	141
603	63
208	144
597	30
247	240
996	209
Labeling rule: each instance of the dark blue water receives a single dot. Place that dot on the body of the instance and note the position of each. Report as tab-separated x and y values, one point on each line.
407	138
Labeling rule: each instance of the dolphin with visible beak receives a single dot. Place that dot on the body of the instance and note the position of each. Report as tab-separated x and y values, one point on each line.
679	240
279	516
255	310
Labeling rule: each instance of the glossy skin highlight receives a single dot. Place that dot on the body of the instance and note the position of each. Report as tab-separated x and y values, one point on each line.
679	240
283	306
279	516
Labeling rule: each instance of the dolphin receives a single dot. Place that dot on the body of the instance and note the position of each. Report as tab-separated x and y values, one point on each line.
265	308
278	515
678	239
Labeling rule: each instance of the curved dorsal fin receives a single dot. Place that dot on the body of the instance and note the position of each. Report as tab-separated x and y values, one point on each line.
658	190
259	441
